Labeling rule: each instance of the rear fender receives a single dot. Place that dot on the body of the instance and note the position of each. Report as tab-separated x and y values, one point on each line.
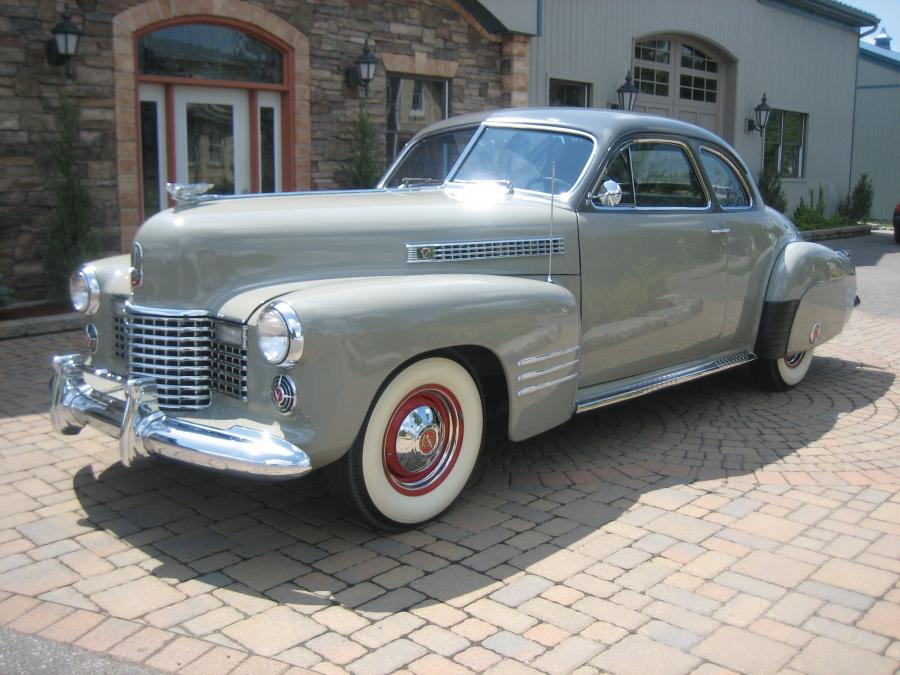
809	299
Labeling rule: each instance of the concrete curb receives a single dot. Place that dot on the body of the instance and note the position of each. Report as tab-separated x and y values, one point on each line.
39	325
836	232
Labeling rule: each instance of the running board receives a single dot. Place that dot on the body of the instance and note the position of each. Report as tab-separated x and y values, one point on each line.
664	381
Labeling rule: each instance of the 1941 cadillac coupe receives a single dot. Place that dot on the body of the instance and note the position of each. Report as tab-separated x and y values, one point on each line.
513	267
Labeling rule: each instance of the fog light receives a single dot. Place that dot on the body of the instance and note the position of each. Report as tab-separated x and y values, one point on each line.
284	394
91	338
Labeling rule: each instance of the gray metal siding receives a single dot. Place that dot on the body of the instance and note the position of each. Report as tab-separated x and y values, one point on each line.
877	134
803	64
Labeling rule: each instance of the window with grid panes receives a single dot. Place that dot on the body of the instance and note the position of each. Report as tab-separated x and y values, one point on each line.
785	139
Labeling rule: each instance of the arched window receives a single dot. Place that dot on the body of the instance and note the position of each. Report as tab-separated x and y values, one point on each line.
214	106
678	79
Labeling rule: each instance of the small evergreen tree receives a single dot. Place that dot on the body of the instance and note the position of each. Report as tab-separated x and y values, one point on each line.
770	188
71	239
859	203
363	167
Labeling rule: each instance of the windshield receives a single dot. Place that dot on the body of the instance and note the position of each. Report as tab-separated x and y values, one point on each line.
431	159
525	157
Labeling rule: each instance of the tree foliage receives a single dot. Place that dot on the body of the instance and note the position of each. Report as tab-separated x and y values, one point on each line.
770	188
363	168
71	238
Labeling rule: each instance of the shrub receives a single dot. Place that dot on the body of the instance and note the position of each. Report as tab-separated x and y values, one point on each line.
859	203
71	239
6	293
363	168
812	216
770	188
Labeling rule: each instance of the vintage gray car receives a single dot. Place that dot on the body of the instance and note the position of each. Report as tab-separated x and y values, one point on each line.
513	268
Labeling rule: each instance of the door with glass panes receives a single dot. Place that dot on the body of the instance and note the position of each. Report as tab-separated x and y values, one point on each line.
209	120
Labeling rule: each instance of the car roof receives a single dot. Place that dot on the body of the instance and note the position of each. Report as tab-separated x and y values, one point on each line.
605	125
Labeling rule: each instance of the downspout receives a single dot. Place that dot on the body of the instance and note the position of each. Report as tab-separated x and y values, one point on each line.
853	116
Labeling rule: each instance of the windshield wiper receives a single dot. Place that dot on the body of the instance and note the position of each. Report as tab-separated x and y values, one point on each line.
503	182
413	182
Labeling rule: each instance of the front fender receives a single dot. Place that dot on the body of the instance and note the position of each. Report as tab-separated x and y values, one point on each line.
809	298
359	331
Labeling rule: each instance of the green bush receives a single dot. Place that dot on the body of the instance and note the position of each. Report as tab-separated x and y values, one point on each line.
859	205
770	188
812	216
363	168
6	293
71	239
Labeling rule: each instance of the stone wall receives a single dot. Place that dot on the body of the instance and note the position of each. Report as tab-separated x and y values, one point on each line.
425	37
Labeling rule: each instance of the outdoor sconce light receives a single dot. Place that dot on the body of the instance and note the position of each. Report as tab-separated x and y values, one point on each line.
761	113
65	40
627	94
363	70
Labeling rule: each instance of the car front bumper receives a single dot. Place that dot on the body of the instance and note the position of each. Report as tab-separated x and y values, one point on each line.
143	429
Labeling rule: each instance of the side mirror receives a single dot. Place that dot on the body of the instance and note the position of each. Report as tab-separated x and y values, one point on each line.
610	195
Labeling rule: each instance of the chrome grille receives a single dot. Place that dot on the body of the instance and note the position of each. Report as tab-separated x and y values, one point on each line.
483	250
229	369
174	351
120	337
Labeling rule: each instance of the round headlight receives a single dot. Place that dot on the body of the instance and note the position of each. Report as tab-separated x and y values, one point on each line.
84	290
278	334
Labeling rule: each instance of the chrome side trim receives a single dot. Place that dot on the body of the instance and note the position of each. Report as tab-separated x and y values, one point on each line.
453	251
530	375
143	429
544	385
664	381
528	360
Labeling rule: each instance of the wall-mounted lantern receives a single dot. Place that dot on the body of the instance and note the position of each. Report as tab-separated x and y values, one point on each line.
761	117
627	94
64	44
362	72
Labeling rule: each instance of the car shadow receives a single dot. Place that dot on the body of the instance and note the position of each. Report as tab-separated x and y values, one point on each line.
289	542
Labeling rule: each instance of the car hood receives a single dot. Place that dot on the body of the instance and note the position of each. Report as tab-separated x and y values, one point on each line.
198	256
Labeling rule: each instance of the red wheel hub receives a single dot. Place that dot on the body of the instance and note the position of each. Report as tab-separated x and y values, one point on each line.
422	440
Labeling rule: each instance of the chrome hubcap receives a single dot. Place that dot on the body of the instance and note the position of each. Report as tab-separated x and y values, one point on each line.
794	361
418	438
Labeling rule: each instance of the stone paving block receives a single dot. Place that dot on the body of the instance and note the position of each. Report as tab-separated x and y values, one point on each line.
769	527
744	651
216	661
558	615
551	562
477	658
439	640
73	626
883	618
836	595
637	655
212	621
182	611
106	635
340	620
745	584
137	597
455	585
39	618
855	577
273	631
683	528
178	654
824	655
545	634
266	571
611	613
387	630
474	629
37	578
567	656
500	615
742	610
140	645
794	608
667	634
513	646
773	568
388	659
516	592
872	642
781	632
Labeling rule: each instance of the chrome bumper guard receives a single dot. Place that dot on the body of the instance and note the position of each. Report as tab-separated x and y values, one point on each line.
143	430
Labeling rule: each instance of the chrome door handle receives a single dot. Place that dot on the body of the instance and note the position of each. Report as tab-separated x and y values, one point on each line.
721	230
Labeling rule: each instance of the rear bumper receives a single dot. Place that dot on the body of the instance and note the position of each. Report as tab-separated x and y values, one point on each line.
143	429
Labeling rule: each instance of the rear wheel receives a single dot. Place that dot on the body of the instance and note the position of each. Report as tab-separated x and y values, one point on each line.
419	446
786	372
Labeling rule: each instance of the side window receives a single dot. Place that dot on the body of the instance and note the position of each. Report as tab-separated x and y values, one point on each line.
729	189
663	176
620	171
432	158
656	174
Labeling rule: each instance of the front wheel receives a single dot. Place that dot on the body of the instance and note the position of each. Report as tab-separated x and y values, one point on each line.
786	372
418	448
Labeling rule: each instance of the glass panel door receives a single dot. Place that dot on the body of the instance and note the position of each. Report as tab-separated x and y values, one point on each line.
153	147
269	117
211	142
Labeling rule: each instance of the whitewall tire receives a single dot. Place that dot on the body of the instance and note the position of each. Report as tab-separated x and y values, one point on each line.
786	372
418	448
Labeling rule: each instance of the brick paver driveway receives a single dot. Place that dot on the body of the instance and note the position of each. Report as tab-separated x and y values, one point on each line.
707	528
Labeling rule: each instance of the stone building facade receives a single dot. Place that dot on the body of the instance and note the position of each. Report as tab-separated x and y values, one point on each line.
139	108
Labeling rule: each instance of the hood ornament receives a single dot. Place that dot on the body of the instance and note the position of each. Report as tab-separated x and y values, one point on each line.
185	193
137	265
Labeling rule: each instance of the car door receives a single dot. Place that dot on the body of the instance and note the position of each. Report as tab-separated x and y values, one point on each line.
653	266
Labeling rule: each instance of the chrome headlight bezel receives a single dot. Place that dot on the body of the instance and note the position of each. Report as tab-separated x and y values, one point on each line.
289	330
84	283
